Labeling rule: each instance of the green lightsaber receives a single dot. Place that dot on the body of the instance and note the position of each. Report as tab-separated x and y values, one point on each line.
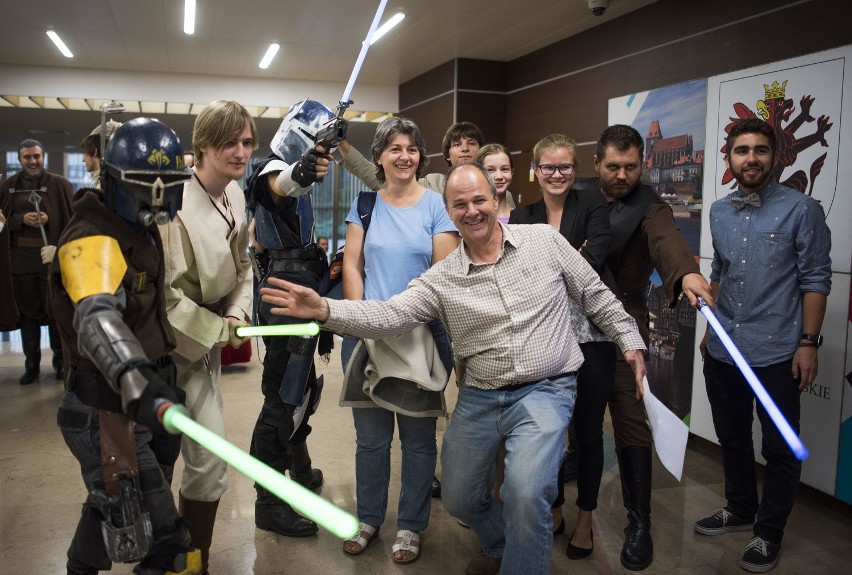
309	504
301	329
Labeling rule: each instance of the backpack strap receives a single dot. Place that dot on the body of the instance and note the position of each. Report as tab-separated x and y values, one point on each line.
366	203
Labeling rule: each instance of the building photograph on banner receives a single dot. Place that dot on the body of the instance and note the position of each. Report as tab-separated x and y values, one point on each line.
672	121
805	100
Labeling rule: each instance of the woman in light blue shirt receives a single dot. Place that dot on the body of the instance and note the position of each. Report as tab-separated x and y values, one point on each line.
409	231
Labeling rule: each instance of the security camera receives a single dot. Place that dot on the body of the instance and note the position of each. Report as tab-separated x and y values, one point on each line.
598	7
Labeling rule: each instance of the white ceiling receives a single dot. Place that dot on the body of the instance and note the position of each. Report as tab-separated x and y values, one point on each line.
320	41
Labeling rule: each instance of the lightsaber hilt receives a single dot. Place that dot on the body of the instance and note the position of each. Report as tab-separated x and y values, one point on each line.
289	329
342	106
787	432
342	524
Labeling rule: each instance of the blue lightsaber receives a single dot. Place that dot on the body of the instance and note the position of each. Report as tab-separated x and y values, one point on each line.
363	53
796	445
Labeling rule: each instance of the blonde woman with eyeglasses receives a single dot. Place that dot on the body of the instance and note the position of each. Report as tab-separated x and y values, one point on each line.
582	217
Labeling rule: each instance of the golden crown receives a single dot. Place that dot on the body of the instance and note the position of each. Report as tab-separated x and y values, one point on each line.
776	90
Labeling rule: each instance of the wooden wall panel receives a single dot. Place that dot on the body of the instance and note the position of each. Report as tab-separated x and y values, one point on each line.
566	86
482	75
570	106
488	111
698	57
433	118
434	82
803	29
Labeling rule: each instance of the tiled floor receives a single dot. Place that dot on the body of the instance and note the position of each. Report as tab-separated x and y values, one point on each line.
41	492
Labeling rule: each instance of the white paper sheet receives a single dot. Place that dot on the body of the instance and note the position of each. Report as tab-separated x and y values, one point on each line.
670	433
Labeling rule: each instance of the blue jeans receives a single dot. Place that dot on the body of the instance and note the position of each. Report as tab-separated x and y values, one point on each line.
732	403
531	422
374	428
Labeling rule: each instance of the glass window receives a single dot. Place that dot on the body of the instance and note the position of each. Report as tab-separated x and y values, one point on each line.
324	208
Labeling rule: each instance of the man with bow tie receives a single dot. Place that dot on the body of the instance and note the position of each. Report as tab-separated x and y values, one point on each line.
771	275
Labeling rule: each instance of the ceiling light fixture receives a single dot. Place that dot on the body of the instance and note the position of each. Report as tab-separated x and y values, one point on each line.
189	17
267	58
386	27
59	44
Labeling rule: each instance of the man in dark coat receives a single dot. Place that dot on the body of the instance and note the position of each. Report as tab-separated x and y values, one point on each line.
644	237
26	247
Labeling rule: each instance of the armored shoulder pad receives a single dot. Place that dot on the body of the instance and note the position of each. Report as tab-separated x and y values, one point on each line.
90	266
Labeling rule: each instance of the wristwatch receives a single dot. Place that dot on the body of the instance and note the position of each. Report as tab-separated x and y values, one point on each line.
815	339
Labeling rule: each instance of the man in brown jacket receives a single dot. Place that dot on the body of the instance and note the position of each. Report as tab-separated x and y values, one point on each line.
644	237
26	248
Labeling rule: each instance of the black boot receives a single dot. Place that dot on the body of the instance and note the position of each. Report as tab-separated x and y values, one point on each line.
634	464
272	514
301	471
31	344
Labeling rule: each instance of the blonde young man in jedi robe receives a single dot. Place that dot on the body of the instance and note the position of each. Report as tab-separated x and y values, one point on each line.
208	294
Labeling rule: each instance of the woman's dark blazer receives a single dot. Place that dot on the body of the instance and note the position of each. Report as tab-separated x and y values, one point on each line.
585	218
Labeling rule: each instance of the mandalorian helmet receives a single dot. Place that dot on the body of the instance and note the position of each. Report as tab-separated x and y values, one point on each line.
144	173
295	135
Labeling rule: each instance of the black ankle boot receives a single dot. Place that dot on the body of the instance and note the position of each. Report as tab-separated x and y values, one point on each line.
635	466
301	471
272	514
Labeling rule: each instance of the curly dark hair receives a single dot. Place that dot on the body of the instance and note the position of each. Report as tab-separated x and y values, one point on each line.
750	126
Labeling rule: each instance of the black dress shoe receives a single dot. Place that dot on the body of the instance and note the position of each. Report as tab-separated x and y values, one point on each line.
436	487
28	377
575	552
560	529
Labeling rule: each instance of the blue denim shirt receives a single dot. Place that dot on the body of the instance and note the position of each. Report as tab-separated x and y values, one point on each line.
764	260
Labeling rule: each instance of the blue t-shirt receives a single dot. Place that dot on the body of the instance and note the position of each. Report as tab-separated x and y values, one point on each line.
398	244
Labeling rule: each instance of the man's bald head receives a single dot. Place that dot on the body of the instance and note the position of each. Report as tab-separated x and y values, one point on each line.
472	171
471	200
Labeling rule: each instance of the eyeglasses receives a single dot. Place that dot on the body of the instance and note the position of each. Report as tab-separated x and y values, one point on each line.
550	169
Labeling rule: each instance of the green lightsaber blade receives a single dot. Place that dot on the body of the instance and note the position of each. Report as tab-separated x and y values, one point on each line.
301	329
309	504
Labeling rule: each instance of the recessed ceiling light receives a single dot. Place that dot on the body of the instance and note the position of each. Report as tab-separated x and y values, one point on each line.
189	17
386	27
59	44
267	58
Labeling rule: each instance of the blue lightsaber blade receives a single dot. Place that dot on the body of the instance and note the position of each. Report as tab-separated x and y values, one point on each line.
363	53
796	445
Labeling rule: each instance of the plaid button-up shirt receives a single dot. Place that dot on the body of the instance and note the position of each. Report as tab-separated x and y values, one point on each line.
509	320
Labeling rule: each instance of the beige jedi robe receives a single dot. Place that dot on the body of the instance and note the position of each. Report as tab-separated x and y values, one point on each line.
208	277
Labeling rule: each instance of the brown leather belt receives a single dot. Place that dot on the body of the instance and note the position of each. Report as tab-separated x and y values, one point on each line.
26	242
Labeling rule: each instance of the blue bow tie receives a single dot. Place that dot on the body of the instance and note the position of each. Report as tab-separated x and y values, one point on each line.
740	201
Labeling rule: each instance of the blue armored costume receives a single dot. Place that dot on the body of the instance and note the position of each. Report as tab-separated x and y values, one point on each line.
278	193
